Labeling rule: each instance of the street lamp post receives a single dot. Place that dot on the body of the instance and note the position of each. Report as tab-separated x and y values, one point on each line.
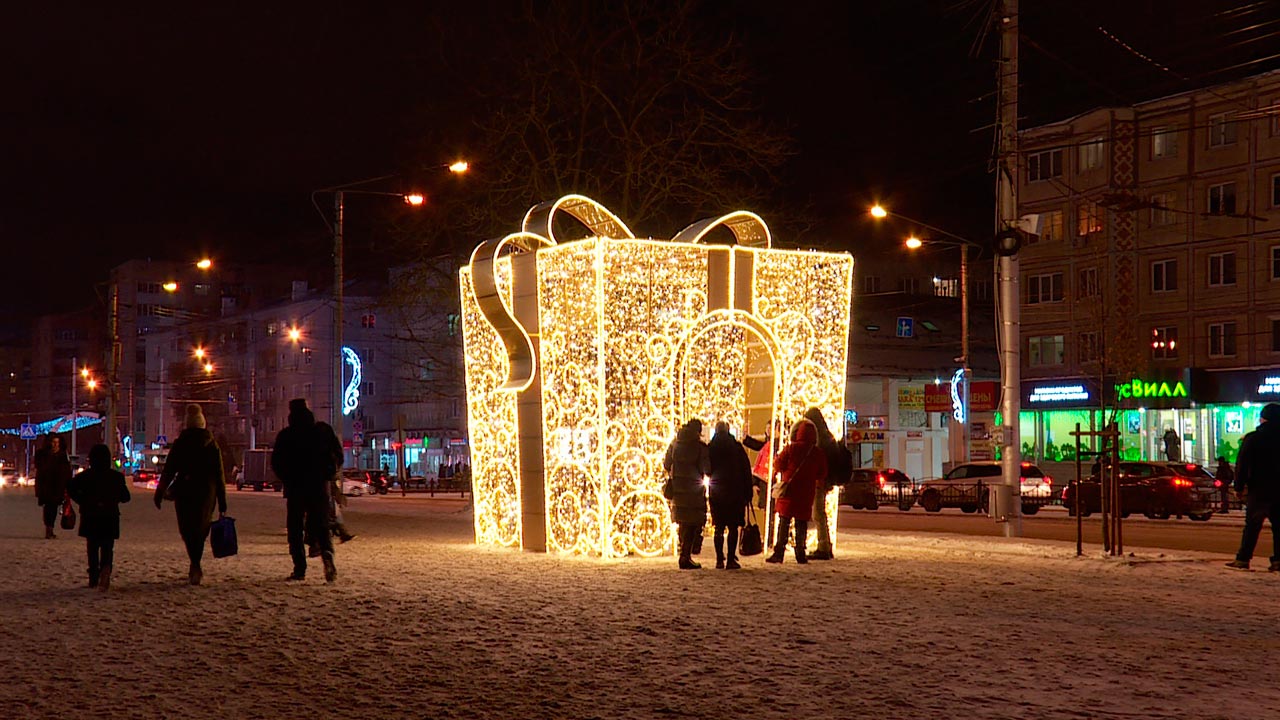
913	243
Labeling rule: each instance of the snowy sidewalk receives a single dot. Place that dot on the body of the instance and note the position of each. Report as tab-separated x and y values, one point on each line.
423	624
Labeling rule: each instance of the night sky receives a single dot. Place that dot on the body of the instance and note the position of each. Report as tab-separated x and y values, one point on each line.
173	130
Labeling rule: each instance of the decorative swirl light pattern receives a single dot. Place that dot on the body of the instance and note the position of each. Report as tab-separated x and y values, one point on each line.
630	346
351	394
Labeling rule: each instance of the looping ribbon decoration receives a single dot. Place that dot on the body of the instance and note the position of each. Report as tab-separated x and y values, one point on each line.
538	231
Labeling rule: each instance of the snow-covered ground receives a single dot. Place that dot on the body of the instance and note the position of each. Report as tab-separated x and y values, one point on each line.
423	624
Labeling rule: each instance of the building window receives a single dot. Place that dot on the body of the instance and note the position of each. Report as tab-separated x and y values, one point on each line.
149	288
368	321
1091	154
870	286
1275	335
946	287
1046	288
1089	347
1088	286
306	356
1222	269
1222	199
982	290
1051	226
202	289
1222	131
1045	350
1164	343
1044	165
1275	190
1162	208
1222	339
1088	218
367	389
910	286
1164	275
1164	142
1275	262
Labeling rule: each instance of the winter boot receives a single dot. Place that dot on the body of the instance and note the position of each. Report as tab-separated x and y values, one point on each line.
48	533
104	580
1239	564
1274	567
732	564
775	557
801	557
330	570
195	575
686	547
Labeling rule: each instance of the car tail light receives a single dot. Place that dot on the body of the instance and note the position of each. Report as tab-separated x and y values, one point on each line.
1191	467
880	479
1217	483
1048	480
1182	482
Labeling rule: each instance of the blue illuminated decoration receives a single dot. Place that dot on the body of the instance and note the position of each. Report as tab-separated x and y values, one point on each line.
59	424
351	395
957	403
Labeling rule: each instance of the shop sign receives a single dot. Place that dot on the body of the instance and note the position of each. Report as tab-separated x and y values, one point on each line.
1140	389
873	436
850	417
910	397
877	422
1057	394
982	397
1270	385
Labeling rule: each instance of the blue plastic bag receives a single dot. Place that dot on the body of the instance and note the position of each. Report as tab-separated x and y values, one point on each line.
222	537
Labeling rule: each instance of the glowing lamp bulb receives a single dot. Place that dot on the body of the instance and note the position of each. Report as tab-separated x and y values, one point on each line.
170	286
914	243
93	384
459	167
415	199
84	372
199	353
295	334
208	368
879	212
204	264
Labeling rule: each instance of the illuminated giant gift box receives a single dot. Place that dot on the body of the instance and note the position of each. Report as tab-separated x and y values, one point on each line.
584	357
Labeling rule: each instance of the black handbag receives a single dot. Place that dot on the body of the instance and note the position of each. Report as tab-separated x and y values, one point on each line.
68	515
750	542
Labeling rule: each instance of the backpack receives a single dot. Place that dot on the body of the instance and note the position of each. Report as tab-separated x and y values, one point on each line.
839	463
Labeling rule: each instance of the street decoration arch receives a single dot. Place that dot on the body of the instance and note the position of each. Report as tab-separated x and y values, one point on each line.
582	358
351	394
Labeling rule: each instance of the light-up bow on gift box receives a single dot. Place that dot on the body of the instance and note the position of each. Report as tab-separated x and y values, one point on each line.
583	357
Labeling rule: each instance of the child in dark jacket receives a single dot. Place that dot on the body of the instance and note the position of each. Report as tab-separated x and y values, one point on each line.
99	491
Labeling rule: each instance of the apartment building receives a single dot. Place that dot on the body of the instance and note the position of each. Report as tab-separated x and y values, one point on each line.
1153	286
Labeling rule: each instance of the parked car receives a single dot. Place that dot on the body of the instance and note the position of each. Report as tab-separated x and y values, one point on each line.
868	487
965	487
10	477
1157	490
148	478
355	482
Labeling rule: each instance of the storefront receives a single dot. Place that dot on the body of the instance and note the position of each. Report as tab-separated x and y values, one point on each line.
1196	414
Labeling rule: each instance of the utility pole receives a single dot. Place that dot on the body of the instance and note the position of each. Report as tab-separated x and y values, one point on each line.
75	372
1006	508
966	374
113	371
335	352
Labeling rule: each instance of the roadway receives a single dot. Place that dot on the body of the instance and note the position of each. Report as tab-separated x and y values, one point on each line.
1221	534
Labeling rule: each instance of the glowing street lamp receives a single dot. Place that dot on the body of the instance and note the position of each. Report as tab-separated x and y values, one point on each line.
84	372
914	243
459	167
170	286
415	199
204	264
199	353
208	368
295	334
92	384
878	212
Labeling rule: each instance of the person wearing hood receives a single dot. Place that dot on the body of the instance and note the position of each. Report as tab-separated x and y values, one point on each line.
800	467
1258	482
839	468
99	491
193	478
53	471
687	462
729	493
303	459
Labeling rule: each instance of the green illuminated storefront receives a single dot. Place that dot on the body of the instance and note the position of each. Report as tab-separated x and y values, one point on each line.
1208	411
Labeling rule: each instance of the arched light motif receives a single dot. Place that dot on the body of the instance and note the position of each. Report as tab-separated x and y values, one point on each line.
628	338
958	409
351	394
83	419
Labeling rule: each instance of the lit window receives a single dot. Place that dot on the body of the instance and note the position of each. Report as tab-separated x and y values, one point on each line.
1164	343
1045	350
1164	142
1050	227
1091	154
1088	218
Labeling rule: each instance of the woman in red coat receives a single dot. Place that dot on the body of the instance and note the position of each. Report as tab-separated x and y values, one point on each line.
800	467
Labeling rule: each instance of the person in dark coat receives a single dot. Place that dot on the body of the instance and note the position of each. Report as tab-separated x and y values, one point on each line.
194	469
800	467
99	491
729	492
839	468
336	498
1172	445
53	472
303	460
1258	482
1224	477
687	462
